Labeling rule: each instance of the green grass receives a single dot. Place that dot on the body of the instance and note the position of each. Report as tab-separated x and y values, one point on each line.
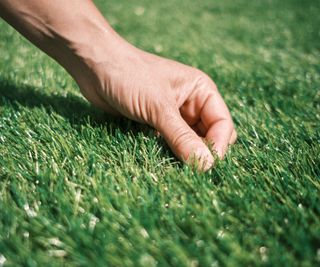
80	189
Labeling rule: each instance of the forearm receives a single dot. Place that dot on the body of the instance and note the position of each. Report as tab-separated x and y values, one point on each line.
69	31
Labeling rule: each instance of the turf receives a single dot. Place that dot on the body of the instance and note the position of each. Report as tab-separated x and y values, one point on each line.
78	188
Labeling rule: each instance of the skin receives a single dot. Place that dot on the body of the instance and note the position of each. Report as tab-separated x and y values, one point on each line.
179	101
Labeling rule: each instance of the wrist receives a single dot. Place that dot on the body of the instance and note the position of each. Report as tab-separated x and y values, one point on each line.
83	46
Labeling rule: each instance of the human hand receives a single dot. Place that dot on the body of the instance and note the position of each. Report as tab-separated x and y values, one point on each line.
179	101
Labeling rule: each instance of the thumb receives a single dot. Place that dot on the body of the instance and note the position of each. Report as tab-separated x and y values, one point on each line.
183	141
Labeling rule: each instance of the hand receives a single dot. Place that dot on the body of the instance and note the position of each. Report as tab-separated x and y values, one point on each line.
181	102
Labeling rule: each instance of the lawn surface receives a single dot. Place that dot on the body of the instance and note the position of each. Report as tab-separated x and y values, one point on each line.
78	188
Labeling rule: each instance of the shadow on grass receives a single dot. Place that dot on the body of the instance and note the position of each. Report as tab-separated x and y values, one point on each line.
73	108
70	106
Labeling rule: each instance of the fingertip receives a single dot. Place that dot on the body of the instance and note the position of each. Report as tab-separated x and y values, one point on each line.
201	158
220	149
233	137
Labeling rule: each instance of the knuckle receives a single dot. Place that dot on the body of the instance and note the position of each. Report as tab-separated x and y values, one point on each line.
214	87
206	82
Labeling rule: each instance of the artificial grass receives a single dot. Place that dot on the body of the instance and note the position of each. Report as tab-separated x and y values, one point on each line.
78	188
